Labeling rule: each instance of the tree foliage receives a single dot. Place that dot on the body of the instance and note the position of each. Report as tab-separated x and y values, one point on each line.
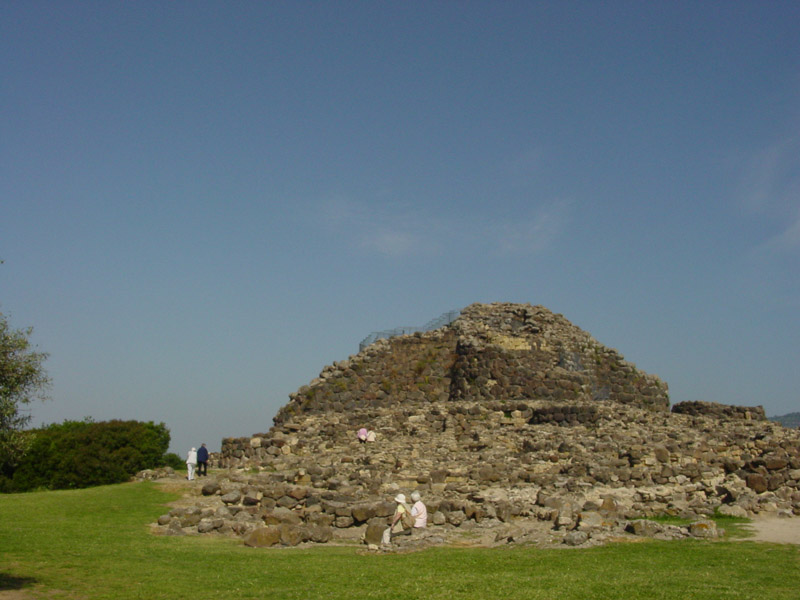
22	379
77	454
173	460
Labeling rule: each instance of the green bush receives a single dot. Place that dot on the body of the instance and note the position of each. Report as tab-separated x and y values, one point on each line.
173	460
78	454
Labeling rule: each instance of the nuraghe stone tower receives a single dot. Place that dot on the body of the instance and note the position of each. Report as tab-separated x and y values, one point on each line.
496	352
510	415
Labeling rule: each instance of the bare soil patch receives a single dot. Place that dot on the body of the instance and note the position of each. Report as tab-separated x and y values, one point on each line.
778	530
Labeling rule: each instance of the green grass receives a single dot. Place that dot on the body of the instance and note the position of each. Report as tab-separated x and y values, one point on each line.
95	543
734	527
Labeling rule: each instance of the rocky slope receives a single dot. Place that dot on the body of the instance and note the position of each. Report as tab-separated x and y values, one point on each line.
513	424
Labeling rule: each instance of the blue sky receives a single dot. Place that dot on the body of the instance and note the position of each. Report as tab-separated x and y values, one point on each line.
204	203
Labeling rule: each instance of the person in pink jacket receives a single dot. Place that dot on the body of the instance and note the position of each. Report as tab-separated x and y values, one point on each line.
419	511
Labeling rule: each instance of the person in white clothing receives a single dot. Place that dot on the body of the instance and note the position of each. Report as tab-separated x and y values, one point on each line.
191	463
419	511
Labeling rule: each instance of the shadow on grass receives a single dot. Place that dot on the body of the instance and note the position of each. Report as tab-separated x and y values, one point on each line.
11	582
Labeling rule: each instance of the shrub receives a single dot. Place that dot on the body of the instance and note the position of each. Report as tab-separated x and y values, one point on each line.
77	454
173	460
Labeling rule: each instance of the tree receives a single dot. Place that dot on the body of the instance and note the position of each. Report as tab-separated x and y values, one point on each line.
77	454
22	380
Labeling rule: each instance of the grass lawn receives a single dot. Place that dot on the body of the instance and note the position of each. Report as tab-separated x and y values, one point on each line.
95	543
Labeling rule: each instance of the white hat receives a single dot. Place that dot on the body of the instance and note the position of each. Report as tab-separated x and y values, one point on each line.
400	498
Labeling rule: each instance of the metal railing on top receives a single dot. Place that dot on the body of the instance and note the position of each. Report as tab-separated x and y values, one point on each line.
436	323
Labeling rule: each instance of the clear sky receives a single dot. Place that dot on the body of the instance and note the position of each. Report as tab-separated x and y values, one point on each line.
202	204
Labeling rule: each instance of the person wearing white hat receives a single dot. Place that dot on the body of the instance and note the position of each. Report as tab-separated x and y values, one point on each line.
397	526
191	463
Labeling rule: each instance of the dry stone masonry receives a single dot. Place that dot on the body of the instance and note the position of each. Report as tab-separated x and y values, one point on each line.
515	425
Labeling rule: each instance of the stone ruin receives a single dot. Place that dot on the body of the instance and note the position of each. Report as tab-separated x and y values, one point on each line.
514	425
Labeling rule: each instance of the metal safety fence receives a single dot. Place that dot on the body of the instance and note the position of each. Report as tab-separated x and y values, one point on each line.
436	323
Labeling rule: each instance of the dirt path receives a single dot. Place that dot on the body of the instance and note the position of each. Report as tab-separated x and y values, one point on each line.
776	530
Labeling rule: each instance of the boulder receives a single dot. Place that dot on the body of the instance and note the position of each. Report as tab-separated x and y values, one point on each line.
343	522
319	534
704	529
292	535
456	517
732	510
774	463
661	454
756	482
644	528
281	516
503	511
263	537
174	528
364	512
208	525
189	520
231	497
576	538
374	533
250	499
593	521
210	488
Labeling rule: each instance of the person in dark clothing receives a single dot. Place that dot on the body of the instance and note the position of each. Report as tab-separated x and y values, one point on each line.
202	461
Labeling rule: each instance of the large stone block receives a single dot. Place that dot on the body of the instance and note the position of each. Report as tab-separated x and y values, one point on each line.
319	533
292	535
207	525
374	533
364	512
703	529
757	482
732	510
644	527
263	537
281	515
210	488
231	497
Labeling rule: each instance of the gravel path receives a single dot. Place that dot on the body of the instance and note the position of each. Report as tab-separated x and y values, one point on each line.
775	529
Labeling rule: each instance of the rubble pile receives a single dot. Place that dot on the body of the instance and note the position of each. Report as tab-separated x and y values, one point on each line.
514	425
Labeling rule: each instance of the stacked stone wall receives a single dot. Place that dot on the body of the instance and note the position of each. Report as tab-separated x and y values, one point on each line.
494	373
514	351
408	370
502	462
715	409
565	414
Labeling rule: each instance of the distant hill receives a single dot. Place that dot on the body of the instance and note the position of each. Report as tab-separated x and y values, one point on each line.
790	420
